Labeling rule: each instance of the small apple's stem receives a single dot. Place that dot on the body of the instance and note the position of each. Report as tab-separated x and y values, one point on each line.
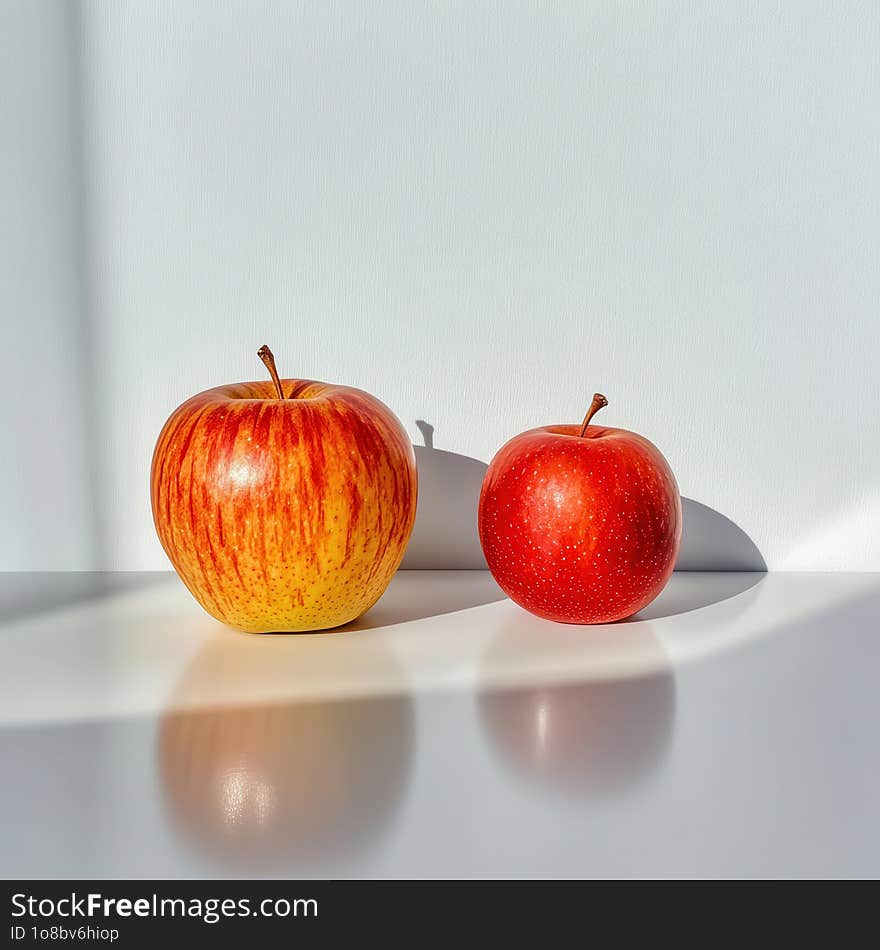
266	356
599	402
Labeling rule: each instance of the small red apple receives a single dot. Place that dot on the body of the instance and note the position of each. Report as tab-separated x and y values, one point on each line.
284	506
580	524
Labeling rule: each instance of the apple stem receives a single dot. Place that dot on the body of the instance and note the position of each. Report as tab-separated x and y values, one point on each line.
266	356
599	402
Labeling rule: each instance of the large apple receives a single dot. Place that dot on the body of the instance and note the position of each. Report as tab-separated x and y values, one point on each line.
284	506
580	524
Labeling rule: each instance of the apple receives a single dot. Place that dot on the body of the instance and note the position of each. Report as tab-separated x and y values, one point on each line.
580	524
284	506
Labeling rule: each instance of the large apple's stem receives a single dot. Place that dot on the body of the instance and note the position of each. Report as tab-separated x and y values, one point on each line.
599	402
266	356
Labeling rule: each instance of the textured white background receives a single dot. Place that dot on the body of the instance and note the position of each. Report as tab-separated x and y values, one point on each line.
480	212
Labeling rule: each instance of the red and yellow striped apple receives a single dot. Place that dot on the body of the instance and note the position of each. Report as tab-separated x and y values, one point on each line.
284	506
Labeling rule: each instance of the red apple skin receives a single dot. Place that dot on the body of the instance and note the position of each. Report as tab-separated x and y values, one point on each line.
580	529
284	514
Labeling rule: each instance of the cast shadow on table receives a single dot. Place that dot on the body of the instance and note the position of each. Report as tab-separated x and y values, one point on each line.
289	784
585	739
412	595
692	591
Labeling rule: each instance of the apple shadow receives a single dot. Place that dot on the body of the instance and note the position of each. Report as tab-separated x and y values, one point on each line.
712	542
445	535
693	590
416	595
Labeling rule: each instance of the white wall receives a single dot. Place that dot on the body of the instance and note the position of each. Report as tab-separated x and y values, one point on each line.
484	211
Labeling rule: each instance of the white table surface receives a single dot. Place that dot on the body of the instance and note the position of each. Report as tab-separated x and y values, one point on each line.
732	730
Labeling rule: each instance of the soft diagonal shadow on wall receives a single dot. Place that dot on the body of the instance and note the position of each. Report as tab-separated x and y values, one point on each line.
87	355
712	542
52	490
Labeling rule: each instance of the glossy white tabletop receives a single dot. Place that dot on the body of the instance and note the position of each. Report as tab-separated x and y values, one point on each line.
732	730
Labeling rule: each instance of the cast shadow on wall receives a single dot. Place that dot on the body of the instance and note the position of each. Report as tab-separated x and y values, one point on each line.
445	534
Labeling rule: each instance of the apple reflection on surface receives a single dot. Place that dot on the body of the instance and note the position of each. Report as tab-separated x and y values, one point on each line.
283	784
587	738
